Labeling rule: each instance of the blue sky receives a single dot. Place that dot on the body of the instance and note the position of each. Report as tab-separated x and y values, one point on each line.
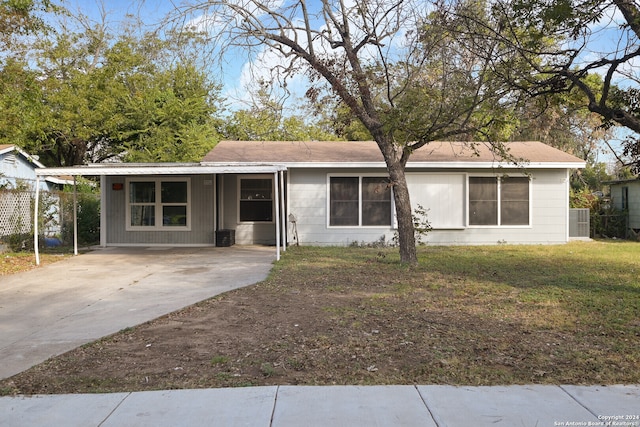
240	71
234	73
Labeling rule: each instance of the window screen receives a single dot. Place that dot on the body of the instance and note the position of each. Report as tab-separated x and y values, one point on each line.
256	202
142	198
483	201
494	201
359	201
514	201
344	200
376	201
158	204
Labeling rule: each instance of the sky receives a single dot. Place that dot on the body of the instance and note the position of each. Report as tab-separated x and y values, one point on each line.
240	71
232	74
236	72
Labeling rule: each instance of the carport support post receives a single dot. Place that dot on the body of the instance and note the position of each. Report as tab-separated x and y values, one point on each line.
35	221
283	213
275	177
75	216
103	212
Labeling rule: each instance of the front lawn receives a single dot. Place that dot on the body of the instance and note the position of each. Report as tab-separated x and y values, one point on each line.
566	314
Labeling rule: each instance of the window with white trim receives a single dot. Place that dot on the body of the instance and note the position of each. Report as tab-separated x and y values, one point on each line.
256	199
499	201
158	204
359	201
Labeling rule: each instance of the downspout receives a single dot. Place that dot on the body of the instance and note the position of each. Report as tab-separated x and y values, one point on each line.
214	205
35	221
221	182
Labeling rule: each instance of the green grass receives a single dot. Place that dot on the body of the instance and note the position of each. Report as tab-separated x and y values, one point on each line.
219	360
593	283
573	308
465	315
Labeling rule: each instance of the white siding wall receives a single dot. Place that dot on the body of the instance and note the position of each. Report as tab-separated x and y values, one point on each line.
307	195
549	217
634	205
443	195
307	192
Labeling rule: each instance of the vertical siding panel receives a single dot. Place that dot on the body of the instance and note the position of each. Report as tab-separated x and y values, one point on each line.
245	233
116	211
202	215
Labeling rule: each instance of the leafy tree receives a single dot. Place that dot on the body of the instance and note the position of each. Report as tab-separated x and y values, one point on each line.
266	121
407	81
172	119
564	43
20	102
347	126
20	19
91	98
562	120
103	101
88	213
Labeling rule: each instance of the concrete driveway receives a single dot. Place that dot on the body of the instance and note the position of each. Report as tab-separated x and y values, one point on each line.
53	309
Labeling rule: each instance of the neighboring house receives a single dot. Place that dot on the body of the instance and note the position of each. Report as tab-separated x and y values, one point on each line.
17	168
625	196
334	193
17	179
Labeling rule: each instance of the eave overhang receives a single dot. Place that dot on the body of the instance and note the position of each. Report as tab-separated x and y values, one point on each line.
160	169
436	165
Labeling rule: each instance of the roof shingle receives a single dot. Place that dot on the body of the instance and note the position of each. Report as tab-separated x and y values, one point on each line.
368	152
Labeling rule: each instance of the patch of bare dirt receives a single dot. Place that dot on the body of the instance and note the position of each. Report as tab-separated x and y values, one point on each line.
370	322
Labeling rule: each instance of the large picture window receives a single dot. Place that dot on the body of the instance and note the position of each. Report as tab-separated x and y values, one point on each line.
256	199
359	201
499	201
158	204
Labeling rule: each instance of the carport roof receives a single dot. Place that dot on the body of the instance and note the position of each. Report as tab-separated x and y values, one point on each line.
159	169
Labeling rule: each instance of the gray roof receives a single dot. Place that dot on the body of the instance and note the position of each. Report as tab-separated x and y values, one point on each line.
622	181
274	156
366	152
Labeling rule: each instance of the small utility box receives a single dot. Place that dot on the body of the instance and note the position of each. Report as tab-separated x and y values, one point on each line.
225	238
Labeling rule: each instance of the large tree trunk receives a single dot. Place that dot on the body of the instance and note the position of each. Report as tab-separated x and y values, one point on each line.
396	160
406	235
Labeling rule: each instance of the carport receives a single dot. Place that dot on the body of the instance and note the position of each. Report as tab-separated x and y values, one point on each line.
157	170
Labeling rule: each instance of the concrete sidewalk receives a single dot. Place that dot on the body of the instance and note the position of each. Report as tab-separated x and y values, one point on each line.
56	308
292	406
